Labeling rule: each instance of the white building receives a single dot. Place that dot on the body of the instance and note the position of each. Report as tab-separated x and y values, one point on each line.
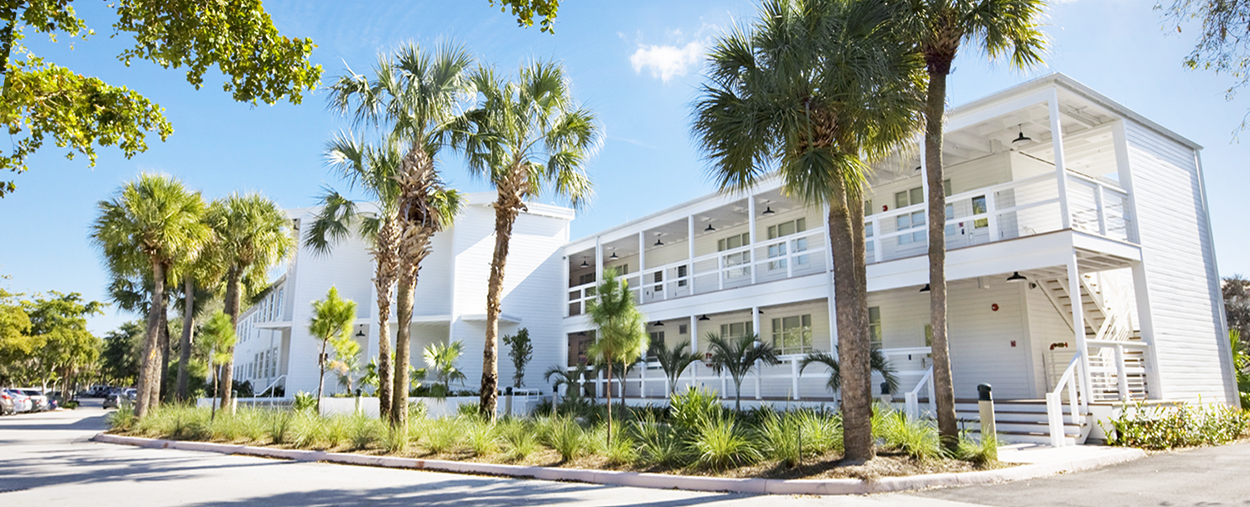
1112	213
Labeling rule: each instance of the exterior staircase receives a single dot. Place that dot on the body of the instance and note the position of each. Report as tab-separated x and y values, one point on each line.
1022	421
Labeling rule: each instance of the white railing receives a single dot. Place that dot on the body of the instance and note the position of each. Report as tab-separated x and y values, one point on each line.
1005	211
578	296
911	400
1078	405
1117	371
647	374
268	389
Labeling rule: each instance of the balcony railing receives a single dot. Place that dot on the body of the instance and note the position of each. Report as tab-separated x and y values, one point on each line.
1006	211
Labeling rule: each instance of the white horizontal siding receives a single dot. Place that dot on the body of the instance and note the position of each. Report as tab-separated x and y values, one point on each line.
1179	265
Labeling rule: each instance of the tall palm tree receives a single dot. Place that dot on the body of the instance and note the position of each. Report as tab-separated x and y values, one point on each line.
372	169
737	355
1001	28
148	225
815	89
622	336
522	136
878	362
674	362
200	278
252	235
412	98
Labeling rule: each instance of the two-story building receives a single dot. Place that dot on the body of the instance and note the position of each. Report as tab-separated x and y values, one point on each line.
1081	273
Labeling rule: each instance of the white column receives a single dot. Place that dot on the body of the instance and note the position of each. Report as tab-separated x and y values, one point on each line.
642	257
690	255
694	347
833	313
924	183
1056	135
1078	322
599	260
751	234
755	325
567	275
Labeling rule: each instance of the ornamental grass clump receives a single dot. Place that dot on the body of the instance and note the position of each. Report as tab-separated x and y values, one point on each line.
443	435
1165	427
720	442
692	408
981	452
304	429
280	426
780	438
518	438
364	431
567	438
917	438
659	444
122	420
481	436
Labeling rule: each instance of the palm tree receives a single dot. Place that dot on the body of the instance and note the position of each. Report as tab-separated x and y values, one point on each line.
879	364
737	355
521	136
412	98
372	169
151	223
674	362
332	320
1001	28
441	359
573	380
252	235
815	89
200	284
622	335
218	339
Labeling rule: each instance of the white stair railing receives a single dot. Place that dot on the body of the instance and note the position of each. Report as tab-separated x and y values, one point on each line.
1054	402
912	397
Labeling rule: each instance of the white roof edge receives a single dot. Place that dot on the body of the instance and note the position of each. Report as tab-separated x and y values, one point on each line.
1074	86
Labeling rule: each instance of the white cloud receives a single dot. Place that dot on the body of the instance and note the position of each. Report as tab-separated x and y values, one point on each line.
666	62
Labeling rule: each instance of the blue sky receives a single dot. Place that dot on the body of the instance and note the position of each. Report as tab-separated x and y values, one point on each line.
637	64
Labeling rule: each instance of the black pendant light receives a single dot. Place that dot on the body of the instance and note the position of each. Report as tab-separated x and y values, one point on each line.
1016	277
613	256
925	288
360	334
584	265
658	242
709	228
658	323
768	211
704	318
1021	138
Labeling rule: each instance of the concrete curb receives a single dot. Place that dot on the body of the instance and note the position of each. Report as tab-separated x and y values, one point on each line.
649	480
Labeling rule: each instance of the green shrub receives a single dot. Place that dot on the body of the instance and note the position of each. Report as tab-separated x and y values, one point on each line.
619	450
1164	427
417	410
719	443
821	430
395	440
304	402
468	409
304	429
280	426
689	410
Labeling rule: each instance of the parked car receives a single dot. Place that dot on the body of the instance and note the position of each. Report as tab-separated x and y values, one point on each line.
21	402
131	394
38	398
7	404
113	400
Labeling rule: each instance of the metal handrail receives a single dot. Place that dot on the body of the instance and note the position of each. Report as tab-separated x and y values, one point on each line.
271	386
911	398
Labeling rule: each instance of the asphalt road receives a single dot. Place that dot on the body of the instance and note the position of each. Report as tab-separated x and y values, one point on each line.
46	459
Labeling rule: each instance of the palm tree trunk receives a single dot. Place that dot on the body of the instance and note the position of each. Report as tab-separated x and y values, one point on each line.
184	344
506	210
148	376
227	369
403	339
609	404
165	350
942	382
384	278
852	334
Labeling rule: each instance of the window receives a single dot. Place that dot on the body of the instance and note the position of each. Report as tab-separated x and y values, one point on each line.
681	275
868	207
908	197
874	327
586	278
736	329
736	259
657	343
779	250
909	221
792	335
681	329
979	207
